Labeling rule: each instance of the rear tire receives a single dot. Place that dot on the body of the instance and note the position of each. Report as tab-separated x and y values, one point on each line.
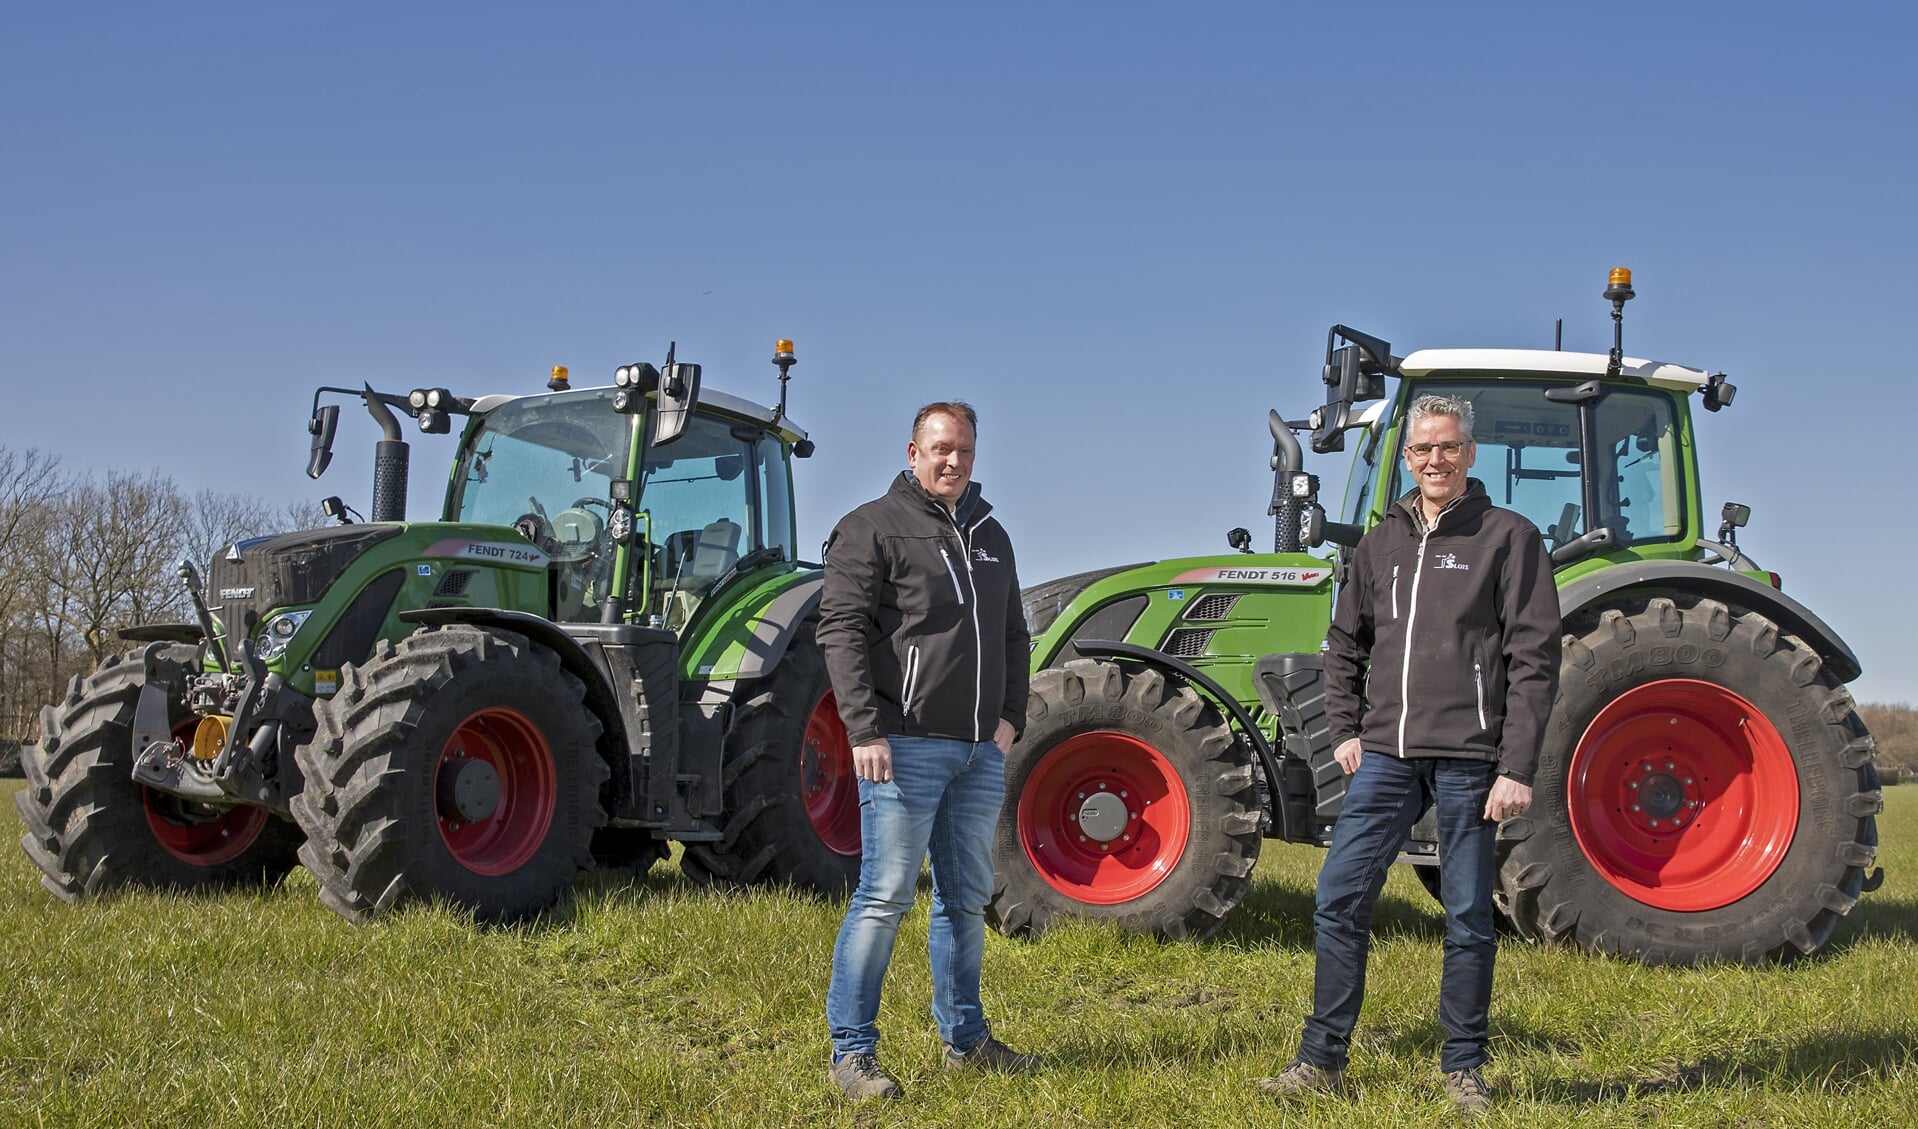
791	800
91	829
1705	792
460	764
1129	801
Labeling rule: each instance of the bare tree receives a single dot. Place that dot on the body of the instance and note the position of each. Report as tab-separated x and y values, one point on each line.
216	519
114	561
30	492
30	488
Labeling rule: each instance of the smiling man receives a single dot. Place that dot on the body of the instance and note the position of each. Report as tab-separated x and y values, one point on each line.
926	643
1440	669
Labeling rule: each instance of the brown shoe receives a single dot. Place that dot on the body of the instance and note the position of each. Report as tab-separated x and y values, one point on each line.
859	1077
991	1055
1302	1077
1468	1091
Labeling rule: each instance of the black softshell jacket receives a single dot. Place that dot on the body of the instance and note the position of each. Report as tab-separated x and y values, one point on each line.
921	622
1446	644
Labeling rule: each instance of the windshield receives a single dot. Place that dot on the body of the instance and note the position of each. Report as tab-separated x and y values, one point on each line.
543	456
1528	459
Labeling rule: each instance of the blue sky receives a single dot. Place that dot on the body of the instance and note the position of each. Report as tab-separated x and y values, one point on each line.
1120	230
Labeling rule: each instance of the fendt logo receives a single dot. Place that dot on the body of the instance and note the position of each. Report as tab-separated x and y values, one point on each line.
236	593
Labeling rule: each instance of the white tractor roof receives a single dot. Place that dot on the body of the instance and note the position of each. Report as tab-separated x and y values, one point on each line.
1549	362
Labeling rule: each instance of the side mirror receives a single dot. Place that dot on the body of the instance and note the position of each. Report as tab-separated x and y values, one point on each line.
1719	392
1354	373
678	395
321	427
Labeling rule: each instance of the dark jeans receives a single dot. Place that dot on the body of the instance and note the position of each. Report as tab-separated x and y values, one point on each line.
1382	801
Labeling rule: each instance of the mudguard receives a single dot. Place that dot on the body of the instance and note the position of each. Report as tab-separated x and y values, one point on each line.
1608	584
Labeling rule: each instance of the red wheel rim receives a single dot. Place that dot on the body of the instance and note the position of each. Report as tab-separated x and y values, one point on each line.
826	779
501	840
1683	795
1104	818
195	833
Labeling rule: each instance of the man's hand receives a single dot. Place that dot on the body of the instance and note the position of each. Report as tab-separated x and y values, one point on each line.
1004	736
873	761
1347	754
1508	798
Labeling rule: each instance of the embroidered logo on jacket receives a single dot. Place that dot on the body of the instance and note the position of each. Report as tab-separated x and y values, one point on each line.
1450	560
982	555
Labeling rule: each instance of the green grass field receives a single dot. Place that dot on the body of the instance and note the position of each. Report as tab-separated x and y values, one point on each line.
658	1003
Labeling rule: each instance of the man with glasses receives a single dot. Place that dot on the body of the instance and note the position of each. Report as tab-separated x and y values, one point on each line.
1440	669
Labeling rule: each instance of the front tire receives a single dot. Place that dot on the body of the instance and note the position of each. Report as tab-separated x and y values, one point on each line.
460	764
91	829
1705	792
792	802
1128	801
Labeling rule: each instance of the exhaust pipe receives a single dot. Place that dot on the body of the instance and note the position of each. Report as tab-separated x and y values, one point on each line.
390	459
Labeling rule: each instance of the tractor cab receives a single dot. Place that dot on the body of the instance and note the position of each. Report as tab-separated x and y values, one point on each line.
1593	463
561	470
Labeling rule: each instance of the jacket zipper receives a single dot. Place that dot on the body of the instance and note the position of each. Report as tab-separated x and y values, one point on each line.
1478	684
1411	619
1395	591
950	571
912	677
978	652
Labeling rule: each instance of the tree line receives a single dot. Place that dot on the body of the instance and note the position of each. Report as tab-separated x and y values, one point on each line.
86	554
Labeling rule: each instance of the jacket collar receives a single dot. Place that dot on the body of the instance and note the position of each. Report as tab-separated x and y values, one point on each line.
971	510
1473	500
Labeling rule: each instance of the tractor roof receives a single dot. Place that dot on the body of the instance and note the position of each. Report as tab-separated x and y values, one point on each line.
1548	363
708	398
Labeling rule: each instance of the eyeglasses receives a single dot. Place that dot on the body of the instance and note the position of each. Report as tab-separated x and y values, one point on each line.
1451	447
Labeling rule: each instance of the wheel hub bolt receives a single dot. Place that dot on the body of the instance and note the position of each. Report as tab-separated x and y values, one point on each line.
1102	816
468	790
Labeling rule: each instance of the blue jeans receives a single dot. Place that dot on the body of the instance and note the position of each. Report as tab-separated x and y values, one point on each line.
945	797
1382	801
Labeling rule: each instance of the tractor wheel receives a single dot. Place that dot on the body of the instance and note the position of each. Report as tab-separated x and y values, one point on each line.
462	765
90	828
792	802
1128	801
1705	792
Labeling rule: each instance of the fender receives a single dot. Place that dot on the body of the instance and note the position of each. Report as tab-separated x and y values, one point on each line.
1101	648
1607	584
745	632
161	633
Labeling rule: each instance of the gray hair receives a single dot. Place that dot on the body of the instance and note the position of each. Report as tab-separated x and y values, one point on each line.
1435	404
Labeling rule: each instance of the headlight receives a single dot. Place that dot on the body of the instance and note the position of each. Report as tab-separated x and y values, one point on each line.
277	632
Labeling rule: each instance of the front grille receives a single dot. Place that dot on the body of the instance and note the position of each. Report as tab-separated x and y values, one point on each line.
1188	642
1217	605
251	578
454	582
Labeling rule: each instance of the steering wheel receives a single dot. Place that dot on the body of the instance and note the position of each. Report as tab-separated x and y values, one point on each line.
534	526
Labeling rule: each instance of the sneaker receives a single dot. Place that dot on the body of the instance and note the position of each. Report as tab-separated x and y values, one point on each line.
1302	1077
990	1054
1468	1091
859	1076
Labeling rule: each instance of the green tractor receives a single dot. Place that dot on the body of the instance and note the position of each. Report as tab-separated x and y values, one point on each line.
1706	790
605	643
